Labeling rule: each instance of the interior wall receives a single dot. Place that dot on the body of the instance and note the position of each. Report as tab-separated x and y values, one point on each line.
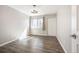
52	25
78	18
12	24
64	27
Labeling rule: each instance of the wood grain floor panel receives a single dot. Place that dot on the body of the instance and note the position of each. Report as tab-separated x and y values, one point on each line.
33	44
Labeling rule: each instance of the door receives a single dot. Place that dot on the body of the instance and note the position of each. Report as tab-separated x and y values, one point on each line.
74	29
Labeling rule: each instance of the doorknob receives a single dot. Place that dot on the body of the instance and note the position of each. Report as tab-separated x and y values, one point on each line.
74	36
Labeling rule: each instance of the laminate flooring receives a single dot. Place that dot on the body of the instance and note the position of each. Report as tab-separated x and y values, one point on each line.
33	44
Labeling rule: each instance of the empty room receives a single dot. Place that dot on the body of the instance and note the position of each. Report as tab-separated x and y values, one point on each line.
39	29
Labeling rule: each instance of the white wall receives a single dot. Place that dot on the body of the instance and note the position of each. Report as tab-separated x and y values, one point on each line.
12	24
52	25
64	26
78	17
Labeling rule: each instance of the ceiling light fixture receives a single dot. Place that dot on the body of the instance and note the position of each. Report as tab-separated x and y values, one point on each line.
34	11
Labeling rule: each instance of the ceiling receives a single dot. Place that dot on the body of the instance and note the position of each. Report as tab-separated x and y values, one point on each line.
42	9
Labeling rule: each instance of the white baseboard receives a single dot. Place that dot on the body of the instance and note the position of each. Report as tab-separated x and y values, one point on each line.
62	46
6	42
9	42
45	35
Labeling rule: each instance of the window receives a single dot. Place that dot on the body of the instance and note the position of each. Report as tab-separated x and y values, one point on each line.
37	22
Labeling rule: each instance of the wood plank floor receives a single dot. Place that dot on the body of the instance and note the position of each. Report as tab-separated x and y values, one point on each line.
33	44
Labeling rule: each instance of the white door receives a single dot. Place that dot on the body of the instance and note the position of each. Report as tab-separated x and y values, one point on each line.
74	29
